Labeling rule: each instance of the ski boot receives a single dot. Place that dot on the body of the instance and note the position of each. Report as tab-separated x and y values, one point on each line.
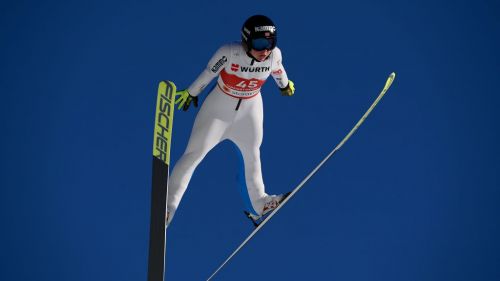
271	203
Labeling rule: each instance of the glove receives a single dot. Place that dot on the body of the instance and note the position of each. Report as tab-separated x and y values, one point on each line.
289	90
184	99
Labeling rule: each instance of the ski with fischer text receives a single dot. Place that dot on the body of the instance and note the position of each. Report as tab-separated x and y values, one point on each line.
162	140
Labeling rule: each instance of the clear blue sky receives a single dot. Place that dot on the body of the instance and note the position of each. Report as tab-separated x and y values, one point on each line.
414	195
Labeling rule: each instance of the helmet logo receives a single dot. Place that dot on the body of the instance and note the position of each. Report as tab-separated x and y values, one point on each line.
265	28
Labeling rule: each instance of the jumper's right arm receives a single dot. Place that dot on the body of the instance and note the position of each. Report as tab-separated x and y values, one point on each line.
215	65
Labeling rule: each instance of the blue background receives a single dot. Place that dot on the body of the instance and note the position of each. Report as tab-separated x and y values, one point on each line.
413	195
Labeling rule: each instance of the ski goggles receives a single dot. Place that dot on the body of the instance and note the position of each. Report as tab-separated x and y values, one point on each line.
261	44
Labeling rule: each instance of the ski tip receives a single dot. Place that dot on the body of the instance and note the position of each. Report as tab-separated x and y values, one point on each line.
392	76
389	81
164	83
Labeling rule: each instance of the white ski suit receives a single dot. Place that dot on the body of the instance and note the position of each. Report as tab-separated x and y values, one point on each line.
232	110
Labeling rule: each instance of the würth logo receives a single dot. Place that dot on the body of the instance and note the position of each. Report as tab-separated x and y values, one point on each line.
234	67
255	69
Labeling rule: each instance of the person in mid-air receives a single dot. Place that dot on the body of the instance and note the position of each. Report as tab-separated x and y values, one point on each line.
233	111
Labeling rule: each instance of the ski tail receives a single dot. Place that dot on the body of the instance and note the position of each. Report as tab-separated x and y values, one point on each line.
162	140
255	222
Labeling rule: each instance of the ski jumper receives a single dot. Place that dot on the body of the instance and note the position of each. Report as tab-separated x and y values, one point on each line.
233	111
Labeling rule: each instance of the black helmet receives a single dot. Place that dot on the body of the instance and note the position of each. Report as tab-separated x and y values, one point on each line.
258	33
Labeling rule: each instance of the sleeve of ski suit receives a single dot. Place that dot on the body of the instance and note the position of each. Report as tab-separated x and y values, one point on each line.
214	66
278	71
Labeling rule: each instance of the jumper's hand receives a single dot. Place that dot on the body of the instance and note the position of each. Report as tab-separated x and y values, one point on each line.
184	99
289	90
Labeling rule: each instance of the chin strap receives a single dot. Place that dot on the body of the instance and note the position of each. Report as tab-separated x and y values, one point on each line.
252	57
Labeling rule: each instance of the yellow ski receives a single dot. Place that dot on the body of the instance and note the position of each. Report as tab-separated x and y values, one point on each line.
162	141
